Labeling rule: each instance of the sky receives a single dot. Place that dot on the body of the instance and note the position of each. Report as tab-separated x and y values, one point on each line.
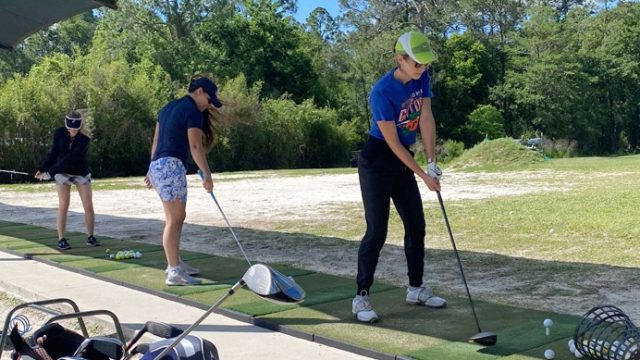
305	7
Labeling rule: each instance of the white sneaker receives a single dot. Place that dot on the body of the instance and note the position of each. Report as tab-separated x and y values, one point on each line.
424	296
361	308
190	270
179	277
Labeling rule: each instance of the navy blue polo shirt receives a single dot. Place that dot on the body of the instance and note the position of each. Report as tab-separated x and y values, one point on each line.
174	120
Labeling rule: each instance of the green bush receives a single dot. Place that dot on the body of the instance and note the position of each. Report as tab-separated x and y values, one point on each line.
485	122
450	150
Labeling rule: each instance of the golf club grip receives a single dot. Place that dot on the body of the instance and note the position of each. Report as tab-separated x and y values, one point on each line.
455	251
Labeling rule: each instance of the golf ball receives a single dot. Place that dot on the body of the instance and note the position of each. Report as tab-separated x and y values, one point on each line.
577	354
547	322
549	354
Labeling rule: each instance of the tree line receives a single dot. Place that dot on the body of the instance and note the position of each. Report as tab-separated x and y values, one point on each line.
567	69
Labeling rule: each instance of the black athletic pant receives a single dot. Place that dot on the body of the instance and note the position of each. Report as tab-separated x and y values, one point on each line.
384	177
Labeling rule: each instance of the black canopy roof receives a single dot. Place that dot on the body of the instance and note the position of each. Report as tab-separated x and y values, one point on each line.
21	18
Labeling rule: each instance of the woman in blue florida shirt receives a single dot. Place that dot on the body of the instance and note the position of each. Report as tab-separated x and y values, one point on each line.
401	105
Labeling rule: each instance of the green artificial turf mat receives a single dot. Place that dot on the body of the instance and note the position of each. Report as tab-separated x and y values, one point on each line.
65	259
150	278
342	326
560	347
190	290
13	227
320	288
524	335
35	234
243	301
451	351
20	245
101	265
518	329
404	330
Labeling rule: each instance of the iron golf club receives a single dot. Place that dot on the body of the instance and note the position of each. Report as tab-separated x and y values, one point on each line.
486	338
263	281
15	172
227	221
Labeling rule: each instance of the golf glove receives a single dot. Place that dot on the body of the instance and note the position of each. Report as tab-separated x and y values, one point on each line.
44	176
433	170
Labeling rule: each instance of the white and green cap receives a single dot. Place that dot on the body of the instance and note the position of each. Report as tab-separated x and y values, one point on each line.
416	46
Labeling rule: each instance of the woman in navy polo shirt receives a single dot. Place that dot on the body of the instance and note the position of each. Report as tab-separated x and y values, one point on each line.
401	106
67	164
184	127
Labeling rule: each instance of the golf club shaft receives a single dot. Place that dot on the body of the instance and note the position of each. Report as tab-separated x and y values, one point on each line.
455	250
213	196
231	291
14	172
231	229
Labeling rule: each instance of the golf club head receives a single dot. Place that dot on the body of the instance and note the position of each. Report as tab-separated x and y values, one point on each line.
485	338
156	328
162	330
100	345
272	285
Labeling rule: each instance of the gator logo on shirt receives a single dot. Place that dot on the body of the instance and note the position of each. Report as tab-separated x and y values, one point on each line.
409	118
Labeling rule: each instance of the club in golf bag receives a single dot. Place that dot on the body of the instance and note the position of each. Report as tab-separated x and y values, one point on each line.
486	338
227	221
263	281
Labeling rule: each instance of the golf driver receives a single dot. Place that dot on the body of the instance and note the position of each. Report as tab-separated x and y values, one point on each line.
486	338
227	221
263	281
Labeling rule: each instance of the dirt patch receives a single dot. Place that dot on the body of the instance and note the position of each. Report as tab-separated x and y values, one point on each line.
255	205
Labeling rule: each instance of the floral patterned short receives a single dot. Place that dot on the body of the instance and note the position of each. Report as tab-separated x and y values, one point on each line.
169	177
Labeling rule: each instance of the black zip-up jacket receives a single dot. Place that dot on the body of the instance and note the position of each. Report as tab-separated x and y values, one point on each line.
68	155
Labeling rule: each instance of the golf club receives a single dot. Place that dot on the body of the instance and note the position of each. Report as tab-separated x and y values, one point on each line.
263	281
227	221
156	328
486	338
15	172
100	345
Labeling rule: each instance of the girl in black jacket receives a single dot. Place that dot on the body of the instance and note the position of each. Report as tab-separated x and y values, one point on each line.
67	164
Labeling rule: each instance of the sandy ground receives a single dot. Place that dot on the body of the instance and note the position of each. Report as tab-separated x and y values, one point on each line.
255	206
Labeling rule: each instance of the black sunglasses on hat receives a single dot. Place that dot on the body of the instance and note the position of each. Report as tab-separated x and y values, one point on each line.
72	123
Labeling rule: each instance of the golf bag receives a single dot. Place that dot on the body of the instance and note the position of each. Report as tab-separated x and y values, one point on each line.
57	342
189	348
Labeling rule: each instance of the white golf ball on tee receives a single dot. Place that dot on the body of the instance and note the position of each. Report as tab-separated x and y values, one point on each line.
549	354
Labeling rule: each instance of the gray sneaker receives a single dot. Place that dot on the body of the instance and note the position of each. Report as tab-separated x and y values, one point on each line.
424	296
179	277
361	308
190	270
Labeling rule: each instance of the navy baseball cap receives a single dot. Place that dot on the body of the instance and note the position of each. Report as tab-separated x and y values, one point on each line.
209	87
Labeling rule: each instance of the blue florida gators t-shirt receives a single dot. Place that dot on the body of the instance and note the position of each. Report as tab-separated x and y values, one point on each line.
391	100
